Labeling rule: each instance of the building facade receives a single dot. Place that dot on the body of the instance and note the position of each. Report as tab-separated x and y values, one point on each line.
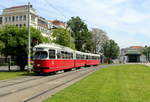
132	54
18	16
43	26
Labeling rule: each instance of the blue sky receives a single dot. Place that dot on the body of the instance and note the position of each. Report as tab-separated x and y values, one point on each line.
126	21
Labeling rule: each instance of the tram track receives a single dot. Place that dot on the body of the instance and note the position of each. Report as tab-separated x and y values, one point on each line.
31	86
64	83
15	83
39	90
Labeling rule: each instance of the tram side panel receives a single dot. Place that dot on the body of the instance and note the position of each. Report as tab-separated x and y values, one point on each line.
45	66
80	63
92	62
62	64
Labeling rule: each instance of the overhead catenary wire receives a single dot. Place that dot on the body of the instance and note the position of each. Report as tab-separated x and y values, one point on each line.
2	8
56	9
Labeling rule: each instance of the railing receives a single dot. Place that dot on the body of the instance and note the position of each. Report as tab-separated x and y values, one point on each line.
6	63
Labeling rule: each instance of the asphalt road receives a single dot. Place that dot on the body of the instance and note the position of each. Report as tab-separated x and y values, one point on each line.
39	88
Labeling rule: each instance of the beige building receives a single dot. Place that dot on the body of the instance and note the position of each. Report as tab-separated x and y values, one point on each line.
18	16
43	26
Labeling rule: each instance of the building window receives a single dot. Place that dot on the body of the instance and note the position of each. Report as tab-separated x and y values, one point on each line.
33	18
16	18
5	19
20	18
24	17
13	18
9	19
20	25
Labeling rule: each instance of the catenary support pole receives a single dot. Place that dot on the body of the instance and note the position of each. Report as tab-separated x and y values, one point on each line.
29	41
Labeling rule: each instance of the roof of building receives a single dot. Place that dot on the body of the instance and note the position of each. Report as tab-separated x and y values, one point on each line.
21	6
136	47
57	22
17	7
133	52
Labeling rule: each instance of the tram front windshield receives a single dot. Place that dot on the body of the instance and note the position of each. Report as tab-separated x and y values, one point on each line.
41	55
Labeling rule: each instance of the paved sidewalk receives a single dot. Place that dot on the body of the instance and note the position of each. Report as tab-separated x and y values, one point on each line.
147	64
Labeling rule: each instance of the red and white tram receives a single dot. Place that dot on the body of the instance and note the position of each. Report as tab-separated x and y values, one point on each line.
51	57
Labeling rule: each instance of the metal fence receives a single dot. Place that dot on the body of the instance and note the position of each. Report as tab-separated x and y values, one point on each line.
7	64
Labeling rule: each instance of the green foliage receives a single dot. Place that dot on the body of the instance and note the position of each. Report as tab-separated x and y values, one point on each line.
62	36
146	52
80	33
89	43
15	42
110	49
2	45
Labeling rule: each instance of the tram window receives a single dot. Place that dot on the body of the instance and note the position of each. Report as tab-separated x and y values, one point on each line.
59	55
86	56
79	56
40	55
66	55
92	57
51	54
63	55
71	55
76	56
82	56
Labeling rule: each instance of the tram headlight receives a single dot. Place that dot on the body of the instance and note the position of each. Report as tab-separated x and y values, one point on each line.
38	65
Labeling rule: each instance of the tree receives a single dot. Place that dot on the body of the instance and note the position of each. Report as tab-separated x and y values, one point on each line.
110	50
146	52
15	43
88	45
80	33
99	38
62	36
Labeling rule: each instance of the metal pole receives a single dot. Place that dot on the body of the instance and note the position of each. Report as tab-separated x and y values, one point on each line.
9	63
29	46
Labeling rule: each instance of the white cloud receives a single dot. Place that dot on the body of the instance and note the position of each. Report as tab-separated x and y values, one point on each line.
130	17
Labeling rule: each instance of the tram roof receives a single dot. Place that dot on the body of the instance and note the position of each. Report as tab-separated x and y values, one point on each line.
53	46
91	54
59	47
